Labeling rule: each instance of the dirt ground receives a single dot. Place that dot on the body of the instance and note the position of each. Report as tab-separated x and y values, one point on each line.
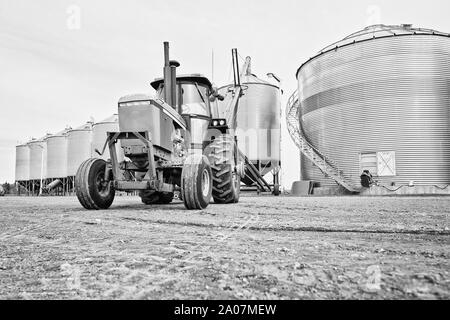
261	248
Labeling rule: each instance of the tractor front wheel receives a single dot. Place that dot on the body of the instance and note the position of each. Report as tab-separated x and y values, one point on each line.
93	190
196	182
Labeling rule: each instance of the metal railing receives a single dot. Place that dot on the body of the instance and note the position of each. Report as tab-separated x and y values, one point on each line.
326	165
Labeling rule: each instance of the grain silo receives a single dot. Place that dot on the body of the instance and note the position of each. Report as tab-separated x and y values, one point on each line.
380	100
22	163
37	159
78	147
57	155
99	131
258	124
56	160
38	164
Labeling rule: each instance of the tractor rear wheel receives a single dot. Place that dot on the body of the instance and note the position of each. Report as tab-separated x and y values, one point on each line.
92	189
226	180
196	182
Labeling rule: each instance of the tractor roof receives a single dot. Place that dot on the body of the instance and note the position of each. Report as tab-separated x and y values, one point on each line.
195	77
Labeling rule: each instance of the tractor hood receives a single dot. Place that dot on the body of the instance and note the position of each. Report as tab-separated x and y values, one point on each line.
137	101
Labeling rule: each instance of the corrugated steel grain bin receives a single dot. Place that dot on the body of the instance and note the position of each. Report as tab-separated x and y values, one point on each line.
380	100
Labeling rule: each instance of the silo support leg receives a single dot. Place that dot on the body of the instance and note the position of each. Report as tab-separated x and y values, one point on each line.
276	184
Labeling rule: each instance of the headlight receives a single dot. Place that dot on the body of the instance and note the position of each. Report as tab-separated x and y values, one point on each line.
218	123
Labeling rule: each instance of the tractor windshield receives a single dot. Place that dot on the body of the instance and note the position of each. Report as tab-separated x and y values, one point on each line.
194	99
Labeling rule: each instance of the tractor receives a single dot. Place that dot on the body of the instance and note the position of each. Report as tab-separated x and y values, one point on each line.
173	142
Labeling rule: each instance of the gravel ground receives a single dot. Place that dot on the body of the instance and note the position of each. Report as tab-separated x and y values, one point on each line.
261	248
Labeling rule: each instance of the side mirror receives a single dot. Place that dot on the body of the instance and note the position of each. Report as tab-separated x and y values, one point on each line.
216	95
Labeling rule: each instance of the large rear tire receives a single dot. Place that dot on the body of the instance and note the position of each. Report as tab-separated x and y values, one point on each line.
226	180
92	189
196	182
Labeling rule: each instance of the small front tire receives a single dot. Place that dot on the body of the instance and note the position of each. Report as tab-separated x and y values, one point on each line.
93	190
196	182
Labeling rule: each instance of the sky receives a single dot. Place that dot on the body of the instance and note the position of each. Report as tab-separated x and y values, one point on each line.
64	62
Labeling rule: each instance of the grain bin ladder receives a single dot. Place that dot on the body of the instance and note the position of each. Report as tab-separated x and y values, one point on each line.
318	159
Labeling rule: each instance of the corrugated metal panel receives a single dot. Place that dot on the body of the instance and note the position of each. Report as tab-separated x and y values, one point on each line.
386	94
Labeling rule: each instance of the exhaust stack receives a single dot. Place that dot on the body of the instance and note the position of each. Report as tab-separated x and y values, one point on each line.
170	78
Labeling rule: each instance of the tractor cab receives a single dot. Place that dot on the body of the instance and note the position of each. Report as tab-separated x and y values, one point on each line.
194	98
192	94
